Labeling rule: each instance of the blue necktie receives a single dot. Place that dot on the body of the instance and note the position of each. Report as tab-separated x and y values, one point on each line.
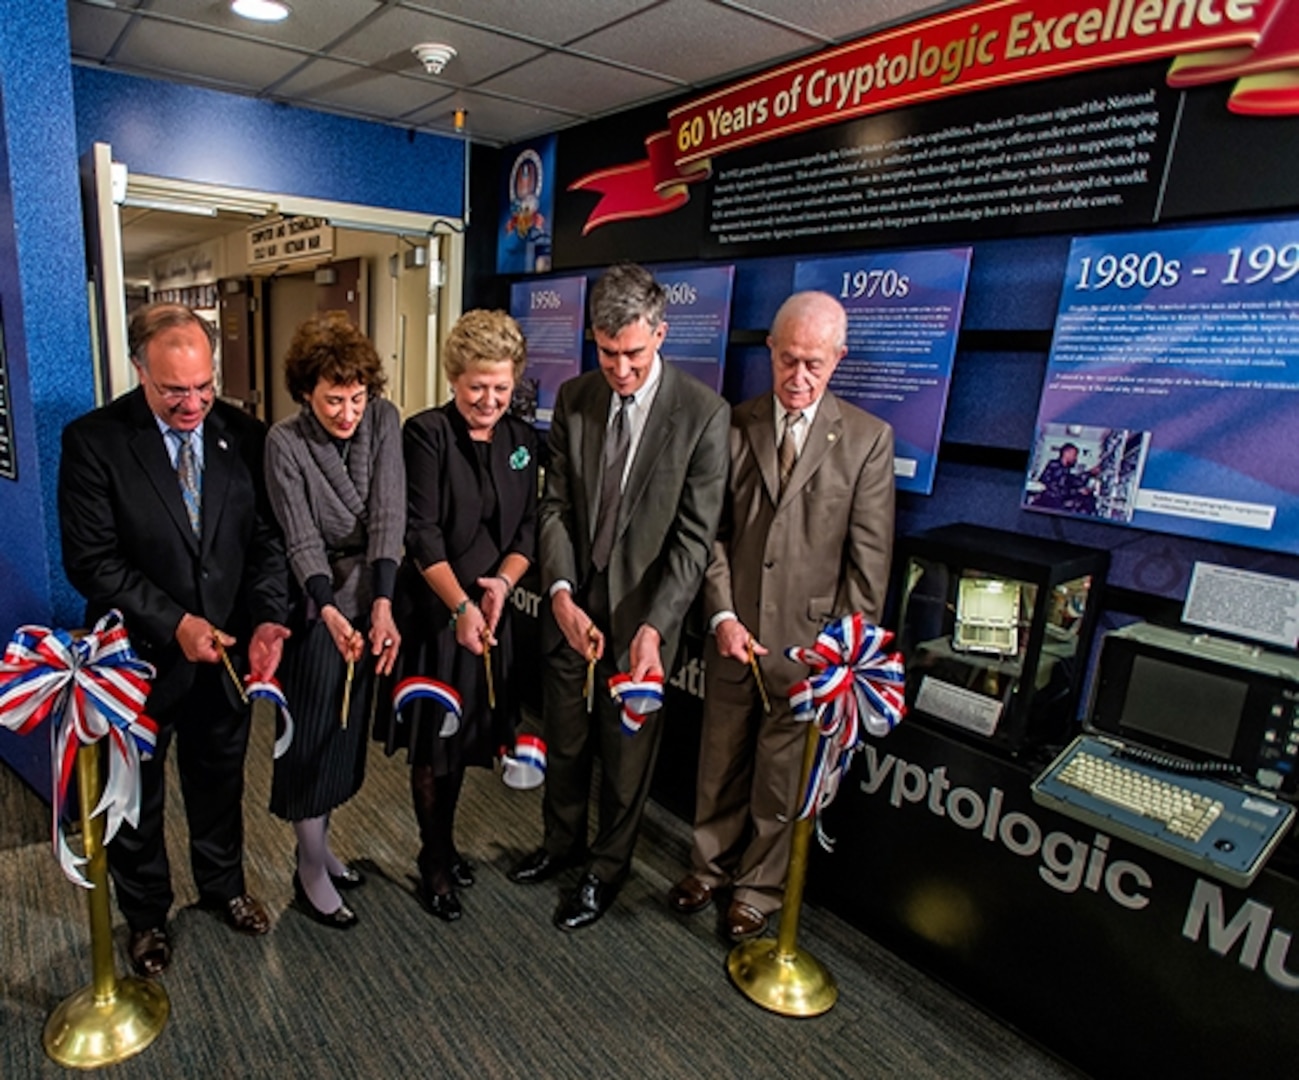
190	481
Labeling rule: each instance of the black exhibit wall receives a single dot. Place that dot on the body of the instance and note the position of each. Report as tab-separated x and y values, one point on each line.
1162	157
1113	957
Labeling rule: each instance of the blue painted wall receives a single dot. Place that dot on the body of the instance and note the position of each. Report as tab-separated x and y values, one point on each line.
50	114
43	303
186	133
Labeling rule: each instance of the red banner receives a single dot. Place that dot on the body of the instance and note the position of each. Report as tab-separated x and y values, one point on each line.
975	48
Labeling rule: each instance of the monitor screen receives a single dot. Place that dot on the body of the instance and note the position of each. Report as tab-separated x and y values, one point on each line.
1184	706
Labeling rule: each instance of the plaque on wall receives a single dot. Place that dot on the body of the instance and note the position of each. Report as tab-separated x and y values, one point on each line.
8	452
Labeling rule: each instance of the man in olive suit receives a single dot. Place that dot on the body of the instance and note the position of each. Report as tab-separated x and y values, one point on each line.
807	537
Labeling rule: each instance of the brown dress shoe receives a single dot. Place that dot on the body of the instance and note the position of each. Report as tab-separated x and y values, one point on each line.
689	895
744	921
150	951
246	914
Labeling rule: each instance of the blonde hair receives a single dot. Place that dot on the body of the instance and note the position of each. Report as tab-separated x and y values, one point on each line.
481	338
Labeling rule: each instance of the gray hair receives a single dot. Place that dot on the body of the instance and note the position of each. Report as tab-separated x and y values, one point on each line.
624	294
148	322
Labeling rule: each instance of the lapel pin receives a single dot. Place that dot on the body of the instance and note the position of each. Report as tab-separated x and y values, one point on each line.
221	443
830	437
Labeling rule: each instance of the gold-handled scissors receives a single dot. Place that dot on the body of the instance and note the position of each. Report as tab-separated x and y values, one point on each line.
588	691
757	676
230	668
347	690
374	690
487	664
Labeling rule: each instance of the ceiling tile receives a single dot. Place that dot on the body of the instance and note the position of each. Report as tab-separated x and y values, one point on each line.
838	21
157	47
576	85
333	84
312	25
555	21
93	30
491	120
695	31
386	43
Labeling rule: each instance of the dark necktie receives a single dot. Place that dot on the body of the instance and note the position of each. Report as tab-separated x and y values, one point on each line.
615	461
788	448
188	475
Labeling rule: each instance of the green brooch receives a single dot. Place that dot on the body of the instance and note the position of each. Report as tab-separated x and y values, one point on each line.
520	458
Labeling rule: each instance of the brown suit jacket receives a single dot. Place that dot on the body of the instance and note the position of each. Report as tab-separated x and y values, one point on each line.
787	565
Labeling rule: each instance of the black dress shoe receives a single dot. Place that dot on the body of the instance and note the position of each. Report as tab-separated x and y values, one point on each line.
539	866
350	878
445	906
150	951
341	918
246	914
585	904
462	873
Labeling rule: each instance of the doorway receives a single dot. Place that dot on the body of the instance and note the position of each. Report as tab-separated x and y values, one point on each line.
187	241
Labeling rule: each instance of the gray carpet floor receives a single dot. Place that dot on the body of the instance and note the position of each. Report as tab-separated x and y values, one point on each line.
501	993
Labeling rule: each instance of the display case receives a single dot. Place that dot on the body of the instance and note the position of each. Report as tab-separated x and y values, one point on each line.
995	628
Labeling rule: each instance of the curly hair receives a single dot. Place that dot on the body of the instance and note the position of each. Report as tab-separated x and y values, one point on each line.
329	346
480	338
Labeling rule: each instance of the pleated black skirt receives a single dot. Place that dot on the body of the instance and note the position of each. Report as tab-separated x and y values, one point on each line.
325	765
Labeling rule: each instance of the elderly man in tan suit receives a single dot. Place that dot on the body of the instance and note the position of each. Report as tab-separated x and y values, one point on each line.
807	537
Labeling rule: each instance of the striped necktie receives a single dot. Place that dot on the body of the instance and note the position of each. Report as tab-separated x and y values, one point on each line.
191	482
616	446
788	448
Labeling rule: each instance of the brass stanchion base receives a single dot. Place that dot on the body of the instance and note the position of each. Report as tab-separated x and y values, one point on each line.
792	983
84	1034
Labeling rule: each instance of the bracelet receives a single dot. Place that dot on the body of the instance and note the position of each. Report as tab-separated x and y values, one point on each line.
460	609
509	585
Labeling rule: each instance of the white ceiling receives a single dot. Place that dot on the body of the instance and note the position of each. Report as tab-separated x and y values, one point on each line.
523	67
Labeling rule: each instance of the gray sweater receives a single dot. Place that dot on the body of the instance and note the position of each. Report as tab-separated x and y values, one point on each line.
339	516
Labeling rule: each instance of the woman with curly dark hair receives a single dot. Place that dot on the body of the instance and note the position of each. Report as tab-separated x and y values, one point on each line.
337	481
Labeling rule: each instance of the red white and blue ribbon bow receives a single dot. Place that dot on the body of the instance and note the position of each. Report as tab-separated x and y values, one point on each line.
89	689
525	768
271	690
638	699
854	688
419	687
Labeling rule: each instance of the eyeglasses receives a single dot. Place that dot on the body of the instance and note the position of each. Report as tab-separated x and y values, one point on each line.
175	395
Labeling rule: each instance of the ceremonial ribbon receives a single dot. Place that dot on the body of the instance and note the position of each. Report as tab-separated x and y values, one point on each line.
418	687
90	688
853	685
271	690
526	767
637	699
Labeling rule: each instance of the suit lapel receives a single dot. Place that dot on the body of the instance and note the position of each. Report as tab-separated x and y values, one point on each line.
218	464
659	426
760	430
149	450
826	430
595	418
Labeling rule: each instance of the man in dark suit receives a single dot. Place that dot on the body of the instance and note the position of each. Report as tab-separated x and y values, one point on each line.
807	538
634	491
164	516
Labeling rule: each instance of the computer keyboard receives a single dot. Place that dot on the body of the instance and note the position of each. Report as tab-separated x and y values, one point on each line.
1180	810
1223	830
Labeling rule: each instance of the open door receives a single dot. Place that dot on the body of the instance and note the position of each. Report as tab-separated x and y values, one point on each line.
103	189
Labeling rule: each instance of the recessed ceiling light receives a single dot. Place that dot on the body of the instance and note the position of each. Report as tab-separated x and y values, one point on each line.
261	10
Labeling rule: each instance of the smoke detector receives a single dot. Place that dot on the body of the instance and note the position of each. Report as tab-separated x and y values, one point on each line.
434	57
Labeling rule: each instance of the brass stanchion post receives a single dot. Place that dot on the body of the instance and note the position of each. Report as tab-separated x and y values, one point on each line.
112	1019
778	975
